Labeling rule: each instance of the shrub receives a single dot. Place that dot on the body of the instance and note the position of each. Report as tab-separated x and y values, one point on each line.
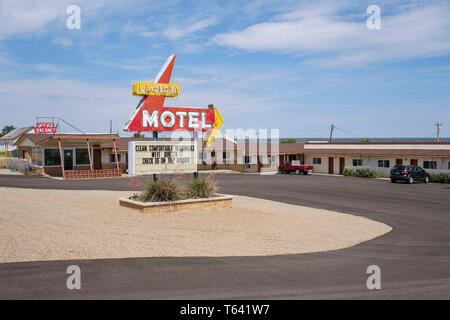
440	177
200	188
161	190
18	165
361	173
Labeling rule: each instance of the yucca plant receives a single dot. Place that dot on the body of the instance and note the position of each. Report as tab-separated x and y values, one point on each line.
200	188
161	190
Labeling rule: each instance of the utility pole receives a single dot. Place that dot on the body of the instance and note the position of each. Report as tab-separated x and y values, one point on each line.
438	129
331	132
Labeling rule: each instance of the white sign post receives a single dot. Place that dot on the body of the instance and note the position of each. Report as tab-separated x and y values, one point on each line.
162	157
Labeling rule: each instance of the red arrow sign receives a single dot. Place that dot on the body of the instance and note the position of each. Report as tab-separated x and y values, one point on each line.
151	115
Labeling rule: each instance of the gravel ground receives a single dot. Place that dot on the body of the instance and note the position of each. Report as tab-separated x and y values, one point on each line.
61	224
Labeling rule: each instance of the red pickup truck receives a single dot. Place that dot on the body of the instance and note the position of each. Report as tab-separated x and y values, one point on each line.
294	166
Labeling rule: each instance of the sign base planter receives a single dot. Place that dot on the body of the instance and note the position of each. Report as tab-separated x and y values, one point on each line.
219	202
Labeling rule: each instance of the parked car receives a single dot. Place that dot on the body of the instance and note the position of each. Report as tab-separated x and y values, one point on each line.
409	174
294	166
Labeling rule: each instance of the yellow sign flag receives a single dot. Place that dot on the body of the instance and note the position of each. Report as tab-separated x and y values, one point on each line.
210	135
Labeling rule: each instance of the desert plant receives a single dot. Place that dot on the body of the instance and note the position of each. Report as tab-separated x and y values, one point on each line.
362	173
161	190
200	188
17	165
289	140
440	177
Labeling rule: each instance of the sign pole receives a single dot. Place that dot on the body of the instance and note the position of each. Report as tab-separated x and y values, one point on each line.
196	142
62	159
155	138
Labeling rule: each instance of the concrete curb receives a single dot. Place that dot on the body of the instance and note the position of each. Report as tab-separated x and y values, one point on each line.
222	201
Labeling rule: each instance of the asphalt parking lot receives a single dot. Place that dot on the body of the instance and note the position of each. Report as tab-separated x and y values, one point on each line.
414	258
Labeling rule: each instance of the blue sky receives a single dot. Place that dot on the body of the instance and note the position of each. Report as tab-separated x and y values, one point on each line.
294	65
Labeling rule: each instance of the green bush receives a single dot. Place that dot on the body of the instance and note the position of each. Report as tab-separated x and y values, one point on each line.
361	173
161	190
200	188
442	177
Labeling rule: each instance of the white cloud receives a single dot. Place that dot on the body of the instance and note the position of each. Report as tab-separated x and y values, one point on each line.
21	17
329	40
86	105
177	32
49	68
63	42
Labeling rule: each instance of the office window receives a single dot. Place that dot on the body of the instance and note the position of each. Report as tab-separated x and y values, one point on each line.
357	162
430	165
383	164
82	156
112	157
51	157
317	160
36	156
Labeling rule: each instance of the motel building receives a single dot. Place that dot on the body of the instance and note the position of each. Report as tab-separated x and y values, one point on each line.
106	155
333	157
83	155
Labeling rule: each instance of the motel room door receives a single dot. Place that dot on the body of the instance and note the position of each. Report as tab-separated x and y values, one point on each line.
341	165
68	160
330	165
97	159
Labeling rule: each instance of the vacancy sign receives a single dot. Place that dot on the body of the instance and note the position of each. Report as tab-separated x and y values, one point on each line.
45	127
158	157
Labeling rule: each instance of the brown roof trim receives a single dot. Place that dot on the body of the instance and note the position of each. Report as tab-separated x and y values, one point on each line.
381	152
380	142
40	138
86	136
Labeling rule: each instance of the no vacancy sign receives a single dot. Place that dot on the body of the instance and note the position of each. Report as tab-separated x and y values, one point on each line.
161	157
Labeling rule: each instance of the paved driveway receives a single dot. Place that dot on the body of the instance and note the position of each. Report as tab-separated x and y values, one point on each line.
414	258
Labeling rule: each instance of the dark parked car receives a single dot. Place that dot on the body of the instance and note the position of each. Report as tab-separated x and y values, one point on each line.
409	174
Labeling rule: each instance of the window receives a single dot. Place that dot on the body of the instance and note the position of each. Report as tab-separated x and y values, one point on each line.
226	157
247	159
82	156
357	162
51	157
271	159
317	160
430	165
24	154
36	156
383	164
112	157
449	165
